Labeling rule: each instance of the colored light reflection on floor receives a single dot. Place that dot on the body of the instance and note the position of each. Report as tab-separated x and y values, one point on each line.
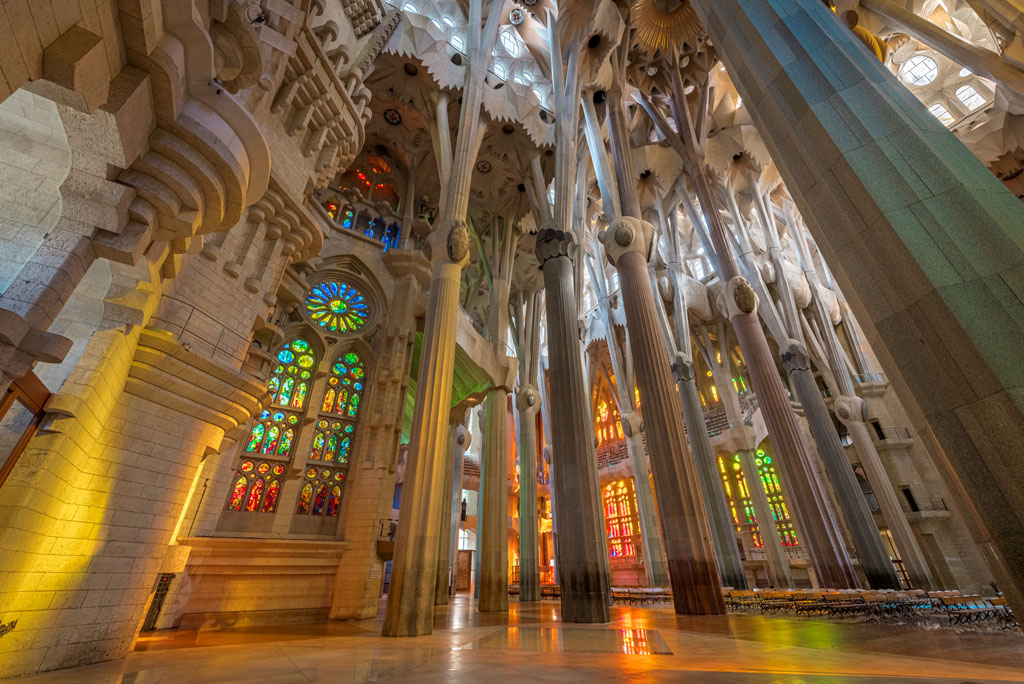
576	640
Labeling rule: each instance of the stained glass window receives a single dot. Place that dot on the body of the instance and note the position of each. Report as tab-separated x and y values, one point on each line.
321	494
290	380
620	516
273	433
333	441
257	486
741	506
345	386
337	307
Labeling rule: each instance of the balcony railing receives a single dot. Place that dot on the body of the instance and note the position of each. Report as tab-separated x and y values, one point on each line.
387	529
871	378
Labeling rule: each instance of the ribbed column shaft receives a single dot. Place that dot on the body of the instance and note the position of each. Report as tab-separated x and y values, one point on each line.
493	521
650	535
580	546
874	560
902	534
458	458
410	608
727	552
820	534
779	575
696	588
529	544
444	539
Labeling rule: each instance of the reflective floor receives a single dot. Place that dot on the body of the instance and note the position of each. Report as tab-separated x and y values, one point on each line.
529	644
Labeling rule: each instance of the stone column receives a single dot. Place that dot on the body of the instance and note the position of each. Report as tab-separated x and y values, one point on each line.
851	411
444	539
580	547
927	266
874	559
410	607
650	535
529	562
492	529
462	441
779	574
696	587
727	551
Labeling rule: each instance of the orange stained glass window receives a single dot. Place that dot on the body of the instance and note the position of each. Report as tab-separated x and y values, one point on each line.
621	520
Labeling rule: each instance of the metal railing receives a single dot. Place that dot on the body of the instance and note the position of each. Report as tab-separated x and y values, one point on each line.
871	378
892	433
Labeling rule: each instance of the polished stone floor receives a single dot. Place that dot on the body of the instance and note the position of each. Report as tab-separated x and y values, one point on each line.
530	645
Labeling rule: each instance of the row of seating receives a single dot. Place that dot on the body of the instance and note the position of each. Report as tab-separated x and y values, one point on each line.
875	605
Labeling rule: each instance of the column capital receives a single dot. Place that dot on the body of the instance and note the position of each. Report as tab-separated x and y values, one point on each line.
449	243
740	297
850	409
527	398
682	368
553	243
795	357
627	234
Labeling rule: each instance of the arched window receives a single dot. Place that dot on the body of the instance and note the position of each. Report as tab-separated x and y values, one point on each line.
290	380
940	112
509	42
971	98
257	486
337	307
741	506
335	430
321	494
621	518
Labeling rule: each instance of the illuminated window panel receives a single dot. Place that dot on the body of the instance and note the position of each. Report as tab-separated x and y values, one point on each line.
940	112
257	486
321	492
741	506
337	307
971	98
621	519
919	70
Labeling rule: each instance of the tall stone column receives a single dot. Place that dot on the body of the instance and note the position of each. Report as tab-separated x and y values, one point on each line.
492	530
927	252
696	587
850	411
529	560
580	547
444	539
650	535
727	551
779	574
462	441
410	608
874	560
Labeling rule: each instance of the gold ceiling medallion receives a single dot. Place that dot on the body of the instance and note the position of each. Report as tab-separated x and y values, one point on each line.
665	24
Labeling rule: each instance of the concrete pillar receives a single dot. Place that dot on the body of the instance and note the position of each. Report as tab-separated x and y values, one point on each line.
410	606
444	538
580	547
727	551
529	562
693	572
850	411
925	241
650	535
874	559
777	563
492	528
462	441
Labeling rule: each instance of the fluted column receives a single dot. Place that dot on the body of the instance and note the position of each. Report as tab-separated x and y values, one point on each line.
821	535
874	559
529	554
580	547
445	535
693	572
492	530
462	441
850	411
410	607
727	551
779	574
650	535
